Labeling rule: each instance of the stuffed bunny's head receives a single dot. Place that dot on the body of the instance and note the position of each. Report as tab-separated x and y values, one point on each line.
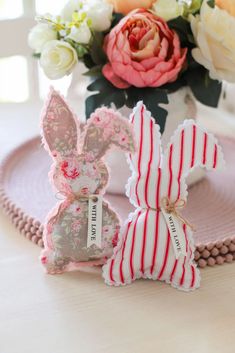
79	168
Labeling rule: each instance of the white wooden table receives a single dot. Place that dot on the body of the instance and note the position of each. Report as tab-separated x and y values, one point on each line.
78	313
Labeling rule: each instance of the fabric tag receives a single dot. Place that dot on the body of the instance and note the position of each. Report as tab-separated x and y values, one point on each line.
176	233
95	207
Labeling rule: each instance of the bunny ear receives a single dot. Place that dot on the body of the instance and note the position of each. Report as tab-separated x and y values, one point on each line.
104	129
145	162
191	146
59	127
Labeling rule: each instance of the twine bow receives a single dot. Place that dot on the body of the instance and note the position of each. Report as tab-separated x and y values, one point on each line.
174	207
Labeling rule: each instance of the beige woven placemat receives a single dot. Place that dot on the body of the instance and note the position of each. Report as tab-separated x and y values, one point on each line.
26	196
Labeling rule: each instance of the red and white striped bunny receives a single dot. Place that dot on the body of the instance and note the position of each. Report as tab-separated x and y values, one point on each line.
156	242
80	176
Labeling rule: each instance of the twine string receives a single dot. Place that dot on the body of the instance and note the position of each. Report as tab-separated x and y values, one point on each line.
174	208
169	206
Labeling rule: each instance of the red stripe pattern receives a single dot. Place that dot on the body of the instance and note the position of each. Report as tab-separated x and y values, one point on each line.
144	248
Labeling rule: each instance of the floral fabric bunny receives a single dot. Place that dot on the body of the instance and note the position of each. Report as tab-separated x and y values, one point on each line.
78	173
156	242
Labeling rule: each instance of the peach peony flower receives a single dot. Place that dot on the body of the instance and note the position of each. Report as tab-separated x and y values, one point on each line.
143	52
125	6
228	5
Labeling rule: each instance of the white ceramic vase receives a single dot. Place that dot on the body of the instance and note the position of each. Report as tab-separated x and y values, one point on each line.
181	106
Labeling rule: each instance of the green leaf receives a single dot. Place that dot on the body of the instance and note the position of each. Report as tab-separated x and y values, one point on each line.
211	3
107	95
104	99
205	90
97	53
89	63
183	29
116	19
36	55
95	71
152	98
100	84
174	86
191	39
81	50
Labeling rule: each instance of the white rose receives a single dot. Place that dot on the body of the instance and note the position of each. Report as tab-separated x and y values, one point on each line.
100	14
70	8
81	34
214	32
40	35
168	9
58	59
98	11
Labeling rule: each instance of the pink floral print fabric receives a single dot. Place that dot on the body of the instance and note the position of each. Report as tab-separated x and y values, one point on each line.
77	173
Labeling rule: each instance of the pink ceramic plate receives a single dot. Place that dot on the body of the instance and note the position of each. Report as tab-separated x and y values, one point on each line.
26	196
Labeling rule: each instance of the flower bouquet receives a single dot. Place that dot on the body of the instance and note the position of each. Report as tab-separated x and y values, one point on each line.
141	50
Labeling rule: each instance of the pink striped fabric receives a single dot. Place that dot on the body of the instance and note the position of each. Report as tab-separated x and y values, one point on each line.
144	249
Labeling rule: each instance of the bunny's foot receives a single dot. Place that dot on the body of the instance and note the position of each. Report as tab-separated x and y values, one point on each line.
113	273
182	274
52	263
188	279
